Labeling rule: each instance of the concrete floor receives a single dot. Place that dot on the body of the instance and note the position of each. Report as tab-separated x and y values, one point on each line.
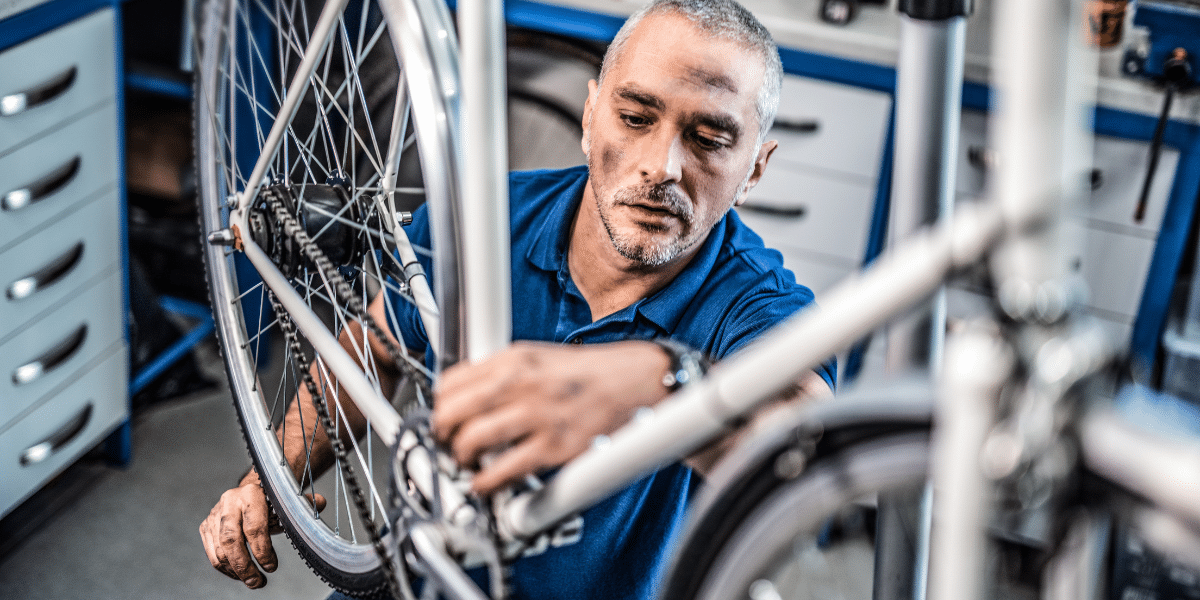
132	533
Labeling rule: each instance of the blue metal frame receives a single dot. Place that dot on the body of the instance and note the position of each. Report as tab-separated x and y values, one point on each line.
40	19
182	346
560	20
144	82
1172	236
119	445
1171	26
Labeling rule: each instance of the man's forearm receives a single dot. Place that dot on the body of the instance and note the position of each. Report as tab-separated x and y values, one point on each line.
305	445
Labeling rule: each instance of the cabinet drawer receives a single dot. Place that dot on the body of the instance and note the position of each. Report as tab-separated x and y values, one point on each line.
831	127
49	353
1122	166
46	177
972	152
40	273
46	440
55	76
1115	266
799	210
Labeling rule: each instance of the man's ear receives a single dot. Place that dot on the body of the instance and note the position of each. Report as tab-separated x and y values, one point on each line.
760	166
585	142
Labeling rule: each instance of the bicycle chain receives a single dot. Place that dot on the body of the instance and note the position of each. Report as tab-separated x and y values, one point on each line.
339	449
290	227
346	295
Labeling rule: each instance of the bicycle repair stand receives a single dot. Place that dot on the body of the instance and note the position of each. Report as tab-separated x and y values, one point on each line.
929	77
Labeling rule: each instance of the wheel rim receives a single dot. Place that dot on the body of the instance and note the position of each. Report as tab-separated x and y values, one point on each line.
813	537
339	138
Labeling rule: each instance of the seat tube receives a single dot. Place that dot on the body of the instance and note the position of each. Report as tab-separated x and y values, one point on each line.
928	102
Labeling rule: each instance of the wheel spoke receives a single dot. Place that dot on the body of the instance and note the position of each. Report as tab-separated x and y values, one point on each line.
250	51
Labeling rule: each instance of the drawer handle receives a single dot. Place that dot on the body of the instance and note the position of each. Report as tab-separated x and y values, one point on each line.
795	211
47	275
43	187
19	102
47	362
806	126
47	447
981	158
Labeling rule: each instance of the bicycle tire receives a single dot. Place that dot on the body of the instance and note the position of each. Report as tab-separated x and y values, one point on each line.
777	533
341	134
547	87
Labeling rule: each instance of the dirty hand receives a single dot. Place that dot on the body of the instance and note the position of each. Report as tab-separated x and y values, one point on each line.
239	527
536	405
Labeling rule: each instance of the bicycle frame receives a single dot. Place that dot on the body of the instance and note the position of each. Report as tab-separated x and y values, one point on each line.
900	280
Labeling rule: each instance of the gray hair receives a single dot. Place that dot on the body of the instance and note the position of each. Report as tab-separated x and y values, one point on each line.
722	19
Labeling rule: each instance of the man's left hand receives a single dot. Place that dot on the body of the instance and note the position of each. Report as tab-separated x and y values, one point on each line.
535	406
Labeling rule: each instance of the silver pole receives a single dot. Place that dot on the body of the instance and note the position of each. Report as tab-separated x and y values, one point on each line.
486	264
925	168
978	365
928	101
1046	81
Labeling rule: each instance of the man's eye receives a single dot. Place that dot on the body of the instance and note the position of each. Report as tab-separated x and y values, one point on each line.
635	120
708	143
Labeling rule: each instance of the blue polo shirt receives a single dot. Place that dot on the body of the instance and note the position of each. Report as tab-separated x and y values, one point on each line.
733	290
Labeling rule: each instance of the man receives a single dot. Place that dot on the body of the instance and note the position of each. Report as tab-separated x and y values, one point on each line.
641	244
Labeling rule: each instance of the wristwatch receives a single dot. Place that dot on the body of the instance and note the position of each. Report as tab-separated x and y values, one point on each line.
687	363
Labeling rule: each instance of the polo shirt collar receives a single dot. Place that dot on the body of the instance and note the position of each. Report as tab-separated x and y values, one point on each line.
549	246
666	307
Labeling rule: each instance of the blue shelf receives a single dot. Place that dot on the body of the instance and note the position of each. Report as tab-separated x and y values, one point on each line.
160	85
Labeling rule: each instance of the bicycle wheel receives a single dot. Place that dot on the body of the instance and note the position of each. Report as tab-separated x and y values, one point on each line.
340	171
795	531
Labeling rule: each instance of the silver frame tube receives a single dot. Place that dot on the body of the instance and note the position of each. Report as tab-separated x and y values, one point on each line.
430	546
928	117
927	123
417	281
373	406
978	364
1163	469
485	261
1042	126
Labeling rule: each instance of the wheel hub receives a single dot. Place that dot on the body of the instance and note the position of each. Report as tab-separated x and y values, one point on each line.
323	210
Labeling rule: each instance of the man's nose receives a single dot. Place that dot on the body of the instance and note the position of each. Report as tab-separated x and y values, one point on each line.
662	157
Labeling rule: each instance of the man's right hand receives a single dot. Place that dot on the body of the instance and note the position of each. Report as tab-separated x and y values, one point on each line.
237	534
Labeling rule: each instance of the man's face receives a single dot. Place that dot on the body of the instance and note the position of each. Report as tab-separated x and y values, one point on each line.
672	139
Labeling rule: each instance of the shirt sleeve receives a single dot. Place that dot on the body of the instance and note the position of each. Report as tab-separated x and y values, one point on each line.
760	312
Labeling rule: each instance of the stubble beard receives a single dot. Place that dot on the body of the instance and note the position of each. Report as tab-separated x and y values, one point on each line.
649	245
